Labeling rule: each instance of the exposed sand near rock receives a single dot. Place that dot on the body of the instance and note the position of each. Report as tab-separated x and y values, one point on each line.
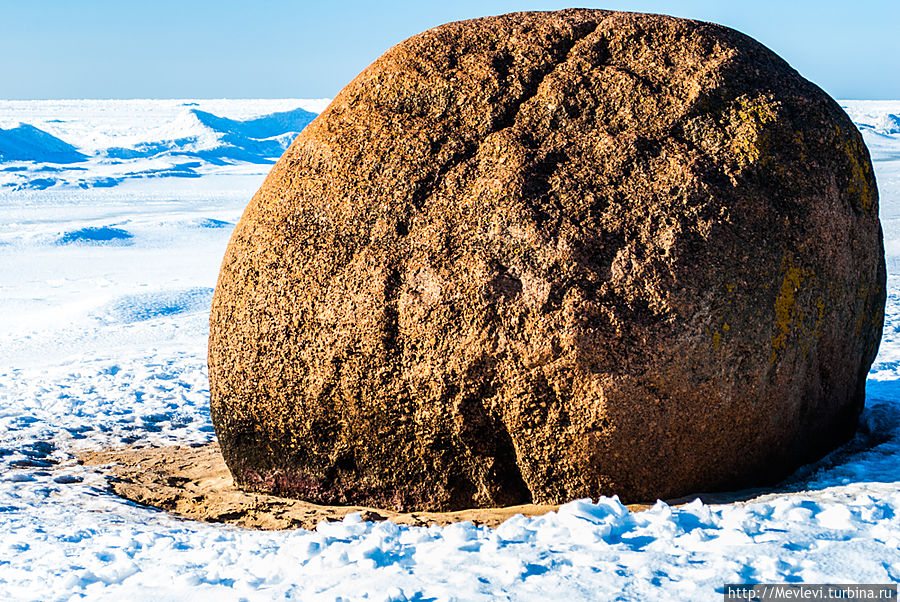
194	483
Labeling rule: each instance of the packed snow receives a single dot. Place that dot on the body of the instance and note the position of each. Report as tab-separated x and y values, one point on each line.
114	216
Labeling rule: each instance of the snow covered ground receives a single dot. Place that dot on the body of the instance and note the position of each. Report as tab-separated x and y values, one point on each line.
114	216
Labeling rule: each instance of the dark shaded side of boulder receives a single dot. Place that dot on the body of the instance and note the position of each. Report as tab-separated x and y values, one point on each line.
545	256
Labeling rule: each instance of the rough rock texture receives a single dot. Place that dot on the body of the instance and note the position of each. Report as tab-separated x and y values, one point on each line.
543	256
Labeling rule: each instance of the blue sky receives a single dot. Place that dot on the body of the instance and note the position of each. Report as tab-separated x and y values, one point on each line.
277	48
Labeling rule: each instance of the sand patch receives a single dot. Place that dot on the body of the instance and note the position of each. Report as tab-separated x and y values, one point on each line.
194	483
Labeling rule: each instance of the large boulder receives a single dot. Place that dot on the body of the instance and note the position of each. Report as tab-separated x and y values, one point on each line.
543	256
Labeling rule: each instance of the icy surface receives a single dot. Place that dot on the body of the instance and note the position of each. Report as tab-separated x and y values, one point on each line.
105	283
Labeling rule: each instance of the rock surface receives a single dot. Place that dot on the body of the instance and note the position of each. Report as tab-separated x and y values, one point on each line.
543	256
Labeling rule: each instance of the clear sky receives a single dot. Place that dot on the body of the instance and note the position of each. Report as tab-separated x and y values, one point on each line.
281	48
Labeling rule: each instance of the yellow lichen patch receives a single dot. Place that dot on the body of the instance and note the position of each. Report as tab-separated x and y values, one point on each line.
758	109
786	305
718	335
862	318
800	145
748	118
862	195
820	313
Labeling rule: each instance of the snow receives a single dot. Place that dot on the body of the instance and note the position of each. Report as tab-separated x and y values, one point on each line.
101	143
105	283
27	143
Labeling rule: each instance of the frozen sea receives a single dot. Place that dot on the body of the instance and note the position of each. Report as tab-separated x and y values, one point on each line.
114	217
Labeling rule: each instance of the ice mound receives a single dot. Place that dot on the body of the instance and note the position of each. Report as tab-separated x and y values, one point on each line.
267	126
200	134
28	143
889	124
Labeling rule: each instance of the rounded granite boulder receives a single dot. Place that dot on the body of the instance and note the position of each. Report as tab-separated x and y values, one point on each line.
545	256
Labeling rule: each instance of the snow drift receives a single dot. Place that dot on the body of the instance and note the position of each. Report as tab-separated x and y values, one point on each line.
28	143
